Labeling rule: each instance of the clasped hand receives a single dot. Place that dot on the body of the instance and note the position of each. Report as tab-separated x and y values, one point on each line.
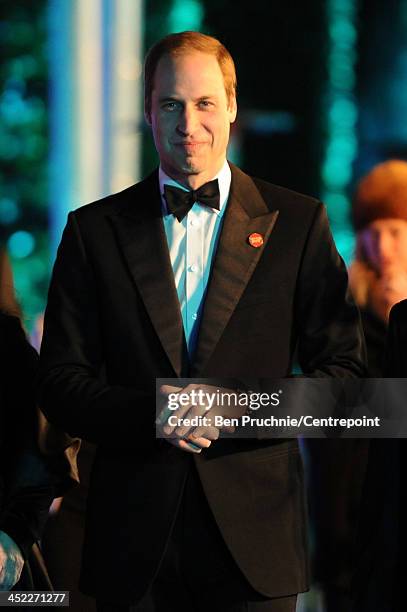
190	426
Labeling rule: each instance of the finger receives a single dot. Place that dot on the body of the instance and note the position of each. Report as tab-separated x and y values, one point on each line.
191	446
183	445
198	442
228	428
210	433
188	410
196	416
167	389
165	412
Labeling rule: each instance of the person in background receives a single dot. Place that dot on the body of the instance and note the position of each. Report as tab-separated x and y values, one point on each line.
8	302
379	584
378	275
396	349
25	490
378	279
29	480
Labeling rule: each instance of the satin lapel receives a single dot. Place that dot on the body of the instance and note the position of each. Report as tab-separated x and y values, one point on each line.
140	232
234	262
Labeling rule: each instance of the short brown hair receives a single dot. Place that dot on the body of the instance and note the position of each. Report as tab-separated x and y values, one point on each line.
381	194
182	43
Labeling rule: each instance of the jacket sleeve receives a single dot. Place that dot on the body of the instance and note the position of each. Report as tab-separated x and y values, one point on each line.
72	392
331	341
395	342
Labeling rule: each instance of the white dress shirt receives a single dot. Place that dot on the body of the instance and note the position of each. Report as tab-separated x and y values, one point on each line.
192	244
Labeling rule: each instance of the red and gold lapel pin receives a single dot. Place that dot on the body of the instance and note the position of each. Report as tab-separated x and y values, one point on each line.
255	240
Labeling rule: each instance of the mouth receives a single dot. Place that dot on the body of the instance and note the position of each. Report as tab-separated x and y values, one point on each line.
189	146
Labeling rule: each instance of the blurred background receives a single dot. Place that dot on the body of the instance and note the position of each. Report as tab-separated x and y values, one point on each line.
321	99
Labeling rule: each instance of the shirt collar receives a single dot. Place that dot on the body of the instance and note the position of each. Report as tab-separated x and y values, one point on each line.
224	177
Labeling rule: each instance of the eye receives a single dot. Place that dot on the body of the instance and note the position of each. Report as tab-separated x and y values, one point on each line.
205	103
171	105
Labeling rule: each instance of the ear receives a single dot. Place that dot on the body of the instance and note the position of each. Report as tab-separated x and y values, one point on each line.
232	110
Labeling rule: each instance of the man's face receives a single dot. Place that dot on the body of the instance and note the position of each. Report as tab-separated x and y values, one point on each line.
385	244
190	117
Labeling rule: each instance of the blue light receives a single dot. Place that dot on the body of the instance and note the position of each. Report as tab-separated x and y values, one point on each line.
21	244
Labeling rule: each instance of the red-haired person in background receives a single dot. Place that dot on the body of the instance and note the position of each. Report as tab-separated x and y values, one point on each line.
379	584
378	280
378	276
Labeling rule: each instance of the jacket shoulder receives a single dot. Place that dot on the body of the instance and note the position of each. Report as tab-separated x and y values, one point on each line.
282	197
104	205
289	203
399	312
114	202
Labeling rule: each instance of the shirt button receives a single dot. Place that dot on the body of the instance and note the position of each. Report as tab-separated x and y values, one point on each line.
193	268
194	316
194	222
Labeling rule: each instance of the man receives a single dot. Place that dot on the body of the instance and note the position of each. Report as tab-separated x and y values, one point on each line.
145	286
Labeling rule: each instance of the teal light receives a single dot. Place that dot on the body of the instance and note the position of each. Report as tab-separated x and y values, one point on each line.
343	146
336	200
340	118
343	78
21	244
343	112
343	32
8	211
24	67
10	147
345	241
186	15
338	205
24	122
336	174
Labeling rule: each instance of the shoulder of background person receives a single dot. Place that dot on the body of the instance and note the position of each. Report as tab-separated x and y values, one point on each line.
399	310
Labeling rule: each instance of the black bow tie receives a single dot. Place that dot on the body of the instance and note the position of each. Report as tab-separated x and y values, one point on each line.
180	202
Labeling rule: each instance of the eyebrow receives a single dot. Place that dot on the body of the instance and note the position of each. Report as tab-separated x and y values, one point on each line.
175	99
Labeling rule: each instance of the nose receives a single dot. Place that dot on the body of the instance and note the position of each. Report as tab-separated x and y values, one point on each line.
187	121
384	249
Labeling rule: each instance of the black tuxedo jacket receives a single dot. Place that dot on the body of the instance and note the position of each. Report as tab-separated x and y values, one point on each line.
113	325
